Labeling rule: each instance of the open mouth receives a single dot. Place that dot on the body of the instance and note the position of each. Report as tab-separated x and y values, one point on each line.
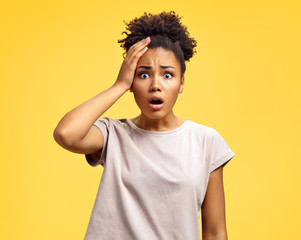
157	101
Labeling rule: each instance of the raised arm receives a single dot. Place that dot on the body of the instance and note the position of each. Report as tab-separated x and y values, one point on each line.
75	131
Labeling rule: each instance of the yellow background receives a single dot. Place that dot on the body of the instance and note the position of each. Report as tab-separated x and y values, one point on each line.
244	81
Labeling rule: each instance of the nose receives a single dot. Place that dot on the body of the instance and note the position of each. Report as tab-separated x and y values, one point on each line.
155	85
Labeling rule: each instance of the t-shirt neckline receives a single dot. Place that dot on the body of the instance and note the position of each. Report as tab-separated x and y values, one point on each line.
157	132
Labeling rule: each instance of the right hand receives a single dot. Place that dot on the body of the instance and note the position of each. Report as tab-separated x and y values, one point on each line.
127	71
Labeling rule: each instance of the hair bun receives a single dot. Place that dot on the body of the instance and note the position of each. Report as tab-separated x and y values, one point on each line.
166	24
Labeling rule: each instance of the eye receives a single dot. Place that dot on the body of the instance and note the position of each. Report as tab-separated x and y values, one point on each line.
168	75
143	75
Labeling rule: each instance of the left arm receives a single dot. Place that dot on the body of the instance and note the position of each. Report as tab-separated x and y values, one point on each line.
213	208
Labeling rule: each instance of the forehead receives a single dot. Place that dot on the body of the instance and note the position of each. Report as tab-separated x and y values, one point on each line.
159	56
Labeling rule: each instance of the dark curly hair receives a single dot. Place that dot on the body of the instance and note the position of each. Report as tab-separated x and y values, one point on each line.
165	30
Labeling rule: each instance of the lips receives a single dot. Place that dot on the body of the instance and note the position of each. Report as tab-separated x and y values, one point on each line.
156	102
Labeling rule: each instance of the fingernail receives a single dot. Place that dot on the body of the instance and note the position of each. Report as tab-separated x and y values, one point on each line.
148	38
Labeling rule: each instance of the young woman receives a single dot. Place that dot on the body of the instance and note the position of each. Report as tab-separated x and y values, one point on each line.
160	171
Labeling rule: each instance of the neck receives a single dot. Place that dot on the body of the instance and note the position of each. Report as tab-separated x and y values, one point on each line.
167	123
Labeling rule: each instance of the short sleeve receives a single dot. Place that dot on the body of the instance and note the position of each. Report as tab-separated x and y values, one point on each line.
219	152
94	159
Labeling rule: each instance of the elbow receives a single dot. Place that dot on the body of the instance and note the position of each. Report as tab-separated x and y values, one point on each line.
62	138
58	136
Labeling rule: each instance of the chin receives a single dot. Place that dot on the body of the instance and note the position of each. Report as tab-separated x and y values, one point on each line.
155	115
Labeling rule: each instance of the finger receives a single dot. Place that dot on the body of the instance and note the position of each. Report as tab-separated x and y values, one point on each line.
134	59
137	50
137	47
139	43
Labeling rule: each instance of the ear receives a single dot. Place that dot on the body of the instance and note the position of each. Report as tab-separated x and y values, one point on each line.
181	85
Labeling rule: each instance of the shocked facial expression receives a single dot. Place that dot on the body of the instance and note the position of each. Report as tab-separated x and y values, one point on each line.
157	82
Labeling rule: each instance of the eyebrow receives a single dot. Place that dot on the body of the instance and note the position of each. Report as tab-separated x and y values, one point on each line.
149	67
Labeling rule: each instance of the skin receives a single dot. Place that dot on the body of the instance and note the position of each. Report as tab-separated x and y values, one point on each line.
213	208
76	133
158	73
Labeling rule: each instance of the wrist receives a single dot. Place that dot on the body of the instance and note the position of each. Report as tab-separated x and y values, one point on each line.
121	87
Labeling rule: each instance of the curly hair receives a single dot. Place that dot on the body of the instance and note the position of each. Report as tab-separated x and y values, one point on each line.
165	30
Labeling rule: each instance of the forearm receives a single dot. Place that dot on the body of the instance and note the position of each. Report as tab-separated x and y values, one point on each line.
76	123
74	126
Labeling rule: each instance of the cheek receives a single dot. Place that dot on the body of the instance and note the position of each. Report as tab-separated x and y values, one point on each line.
173	94
172	89
138	95
137	85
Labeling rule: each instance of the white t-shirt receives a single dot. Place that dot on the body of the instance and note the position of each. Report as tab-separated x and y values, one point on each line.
153	183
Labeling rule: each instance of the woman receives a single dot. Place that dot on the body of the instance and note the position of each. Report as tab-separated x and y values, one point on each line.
160	171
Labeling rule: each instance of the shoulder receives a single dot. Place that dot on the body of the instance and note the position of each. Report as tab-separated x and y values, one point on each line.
107	120
117	124
202	129
199	133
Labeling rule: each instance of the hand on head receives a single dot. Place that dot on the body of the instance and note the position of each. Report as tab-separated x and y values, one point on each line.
128	67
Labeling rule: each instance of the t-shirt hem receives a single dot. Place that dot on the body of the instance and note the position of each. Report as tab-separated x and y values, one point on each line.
222	161
89	157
